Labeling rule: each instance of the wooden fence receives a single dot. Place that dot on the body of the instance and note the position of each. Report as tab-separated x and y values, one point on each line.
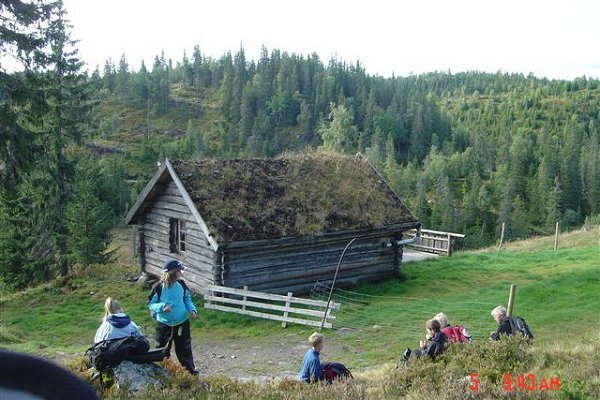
435	241
294	310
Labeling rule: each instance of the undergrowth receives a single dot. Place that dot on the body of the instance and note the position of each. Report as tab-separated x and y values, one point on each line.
575	374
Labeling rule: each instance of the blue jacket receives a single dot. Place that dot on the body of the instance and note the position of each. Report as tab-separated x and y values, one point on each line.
311	369
116	326
174	298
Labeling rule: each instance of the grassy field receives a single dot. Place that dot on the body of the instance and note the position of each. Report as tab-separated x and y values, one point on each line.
557	293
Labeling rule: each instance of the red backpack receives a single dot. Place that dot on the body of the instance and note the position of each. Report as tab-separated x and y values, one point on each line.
455	334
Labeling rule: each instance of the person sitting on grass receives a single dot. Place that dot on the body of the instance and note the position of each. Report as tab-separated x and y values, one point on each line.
455	334
311	369
504	328
509	325
118	325
433	345
118	338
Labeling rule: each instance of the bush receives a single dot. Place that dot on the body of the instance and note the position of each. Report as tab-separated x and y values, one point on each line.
592	220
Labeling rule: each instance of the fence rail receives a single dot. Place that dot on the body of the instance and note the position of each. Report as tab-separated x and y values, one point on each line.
293	310
437	242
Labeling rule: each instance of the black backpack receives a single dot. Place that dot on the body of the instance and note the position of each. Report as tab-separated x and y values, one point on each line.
110	353
157	289
518	324
334	371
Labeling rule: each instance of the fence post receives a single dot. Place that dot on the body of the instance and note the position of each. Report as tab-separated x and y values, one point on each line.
209	294
244	299
511	300
502	236
287	308
449	245
556	237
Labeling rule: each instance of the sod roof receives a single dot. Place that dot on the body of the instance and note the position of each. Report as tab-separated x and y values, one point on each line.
298	195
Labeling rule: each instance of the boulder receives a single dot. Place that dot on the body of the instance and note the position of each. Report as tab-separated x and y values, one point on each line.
133	377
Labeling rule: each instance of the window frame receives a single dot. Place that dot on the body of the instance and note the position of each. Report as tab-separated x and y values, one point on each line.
177	235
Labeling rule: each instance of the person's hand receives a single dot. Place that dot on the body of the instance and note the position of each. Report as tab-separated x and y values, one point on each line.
167	308
422	343
193	314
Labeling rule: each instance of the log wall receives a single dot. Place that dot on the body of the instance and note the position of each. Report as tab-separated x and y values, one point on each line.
198	257
295	267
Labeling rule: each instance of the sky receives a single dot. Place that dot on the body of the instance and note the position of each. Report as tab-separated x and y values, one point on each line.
553	38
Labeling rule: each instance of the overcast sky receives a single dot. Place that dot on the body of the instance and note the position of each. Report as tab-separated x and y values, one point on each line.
551	38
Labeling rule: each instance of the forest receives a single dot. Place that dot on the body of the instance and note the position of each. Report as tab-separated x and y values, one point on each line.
465	151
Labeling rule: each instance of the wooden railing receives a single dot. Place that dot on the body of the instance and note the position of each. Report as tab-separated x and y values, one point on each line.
287	309
435	241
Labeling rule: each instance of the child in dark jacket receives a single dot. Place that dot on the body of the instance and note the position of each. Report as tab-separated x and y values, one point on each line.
433	346
311	369
436	340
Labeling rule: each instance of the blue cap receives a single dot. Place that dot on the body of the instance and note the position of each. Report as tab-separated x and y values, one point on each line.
172	265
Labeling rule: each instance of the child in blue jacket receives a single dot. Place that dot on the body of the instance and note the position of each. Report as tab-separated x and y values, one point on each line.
172	304
311	369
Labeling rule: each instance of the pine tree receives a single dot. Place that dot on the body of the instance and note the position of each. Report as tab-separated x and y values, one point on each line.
68	102
88	218
123	84
305	119
160	85
555	204
419	137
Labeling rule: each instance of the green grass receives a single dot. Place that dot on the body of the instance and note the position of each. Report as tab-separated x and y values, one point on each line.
557	293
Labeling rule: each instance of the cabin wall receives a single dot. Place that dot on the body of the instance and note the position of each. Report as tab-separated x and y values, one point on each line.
153	229
297	267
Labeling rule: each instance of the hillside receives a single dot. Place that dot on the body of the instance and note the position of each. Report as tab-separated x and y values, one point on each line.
375	324
465	151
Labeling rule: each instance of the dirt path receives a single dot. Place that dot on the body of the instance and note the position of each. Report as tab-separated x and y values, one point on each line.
257	359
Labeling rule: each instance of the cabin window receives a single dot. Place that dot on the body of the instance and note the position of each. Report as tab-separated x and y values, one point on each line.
177	235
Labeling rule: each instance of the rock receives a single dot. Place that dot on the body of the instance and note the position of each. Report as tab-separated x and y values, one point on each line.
233	357
134	377
376	327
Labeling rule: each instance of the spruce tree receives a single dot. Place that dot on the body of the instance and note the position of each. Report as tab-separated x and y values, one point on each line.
88	218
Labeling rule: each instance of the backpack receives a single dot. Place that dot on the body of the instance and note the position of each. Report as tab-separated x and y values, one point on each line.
455	334
157	289
333	371
518	324
109	353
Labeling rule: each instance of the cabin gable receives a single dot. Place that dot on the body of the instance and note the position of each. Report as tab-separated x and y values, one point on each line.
164	215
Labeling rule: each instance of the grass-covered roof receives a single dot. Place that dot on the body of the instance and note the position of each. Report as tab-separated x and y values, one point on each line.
297	195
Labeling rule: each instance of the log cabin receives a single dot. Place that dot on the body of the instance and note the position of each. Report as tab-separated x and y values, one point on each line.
273	225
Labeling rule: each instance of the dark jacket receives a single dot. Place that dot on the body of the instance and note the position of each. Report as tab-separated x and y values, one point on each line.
503	329
436	345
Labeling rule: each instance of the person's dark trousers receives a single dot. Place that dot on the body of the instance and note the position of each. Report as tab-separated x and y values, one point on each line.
179	335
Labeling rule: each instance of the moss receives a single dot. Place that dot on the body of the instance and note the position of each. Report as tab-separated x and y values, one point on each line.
298	195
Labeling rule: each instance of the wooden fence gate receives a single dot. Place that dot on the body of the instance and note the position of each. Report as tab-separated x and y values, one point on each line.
436	242
287	309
